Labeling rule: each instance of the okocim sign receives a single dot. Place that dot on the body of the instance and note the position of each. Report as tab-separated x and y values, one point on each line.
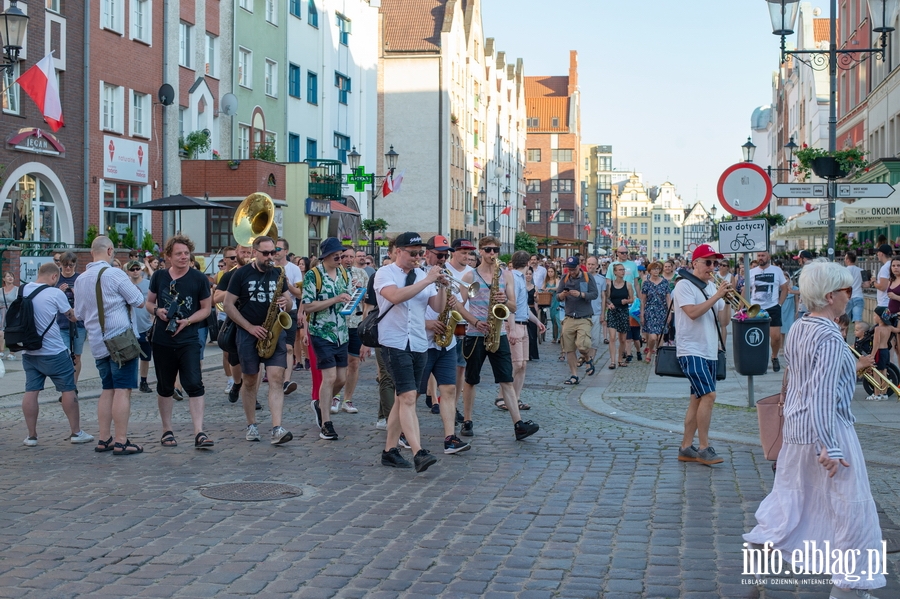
872	211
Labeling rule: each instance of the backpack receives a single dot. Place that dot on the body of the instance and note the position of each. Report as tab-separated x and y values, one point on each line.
21	331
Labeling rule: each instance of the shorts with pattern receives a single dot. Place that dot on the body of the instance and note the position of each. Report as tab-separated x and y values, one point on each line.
700	372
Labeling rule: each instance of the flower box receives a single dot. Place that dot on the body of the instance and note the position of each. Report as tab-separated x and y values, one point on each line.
828	167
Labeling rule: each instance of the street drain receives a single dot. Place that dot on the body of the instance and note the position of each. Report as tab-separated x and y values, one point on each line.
250	492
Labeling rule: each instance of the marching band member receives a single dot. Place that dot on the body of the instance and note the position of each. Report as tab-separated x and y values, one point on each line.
356	352
293	279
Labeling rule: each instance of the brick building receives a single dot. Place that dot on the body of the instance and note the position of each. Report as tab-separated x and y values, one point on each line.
552	159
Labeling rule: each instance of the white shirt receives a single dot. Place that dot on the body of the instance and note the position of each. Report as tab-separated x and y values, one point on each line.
597	304
458	275
765	286
47	304
405	323
857	281
883	273
117	291
294	276
696	337
539	276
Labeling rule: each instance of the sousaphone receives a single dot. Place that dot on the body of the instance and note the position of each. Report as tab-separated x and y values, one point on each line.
254	217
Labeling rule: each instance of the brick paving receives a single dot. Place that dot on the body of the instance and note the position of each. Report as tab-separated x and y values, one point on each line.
591	506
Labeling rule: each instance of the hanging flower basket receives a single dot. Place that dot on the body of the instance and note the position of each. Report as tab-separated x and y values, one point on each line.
382	242
849	162
827	167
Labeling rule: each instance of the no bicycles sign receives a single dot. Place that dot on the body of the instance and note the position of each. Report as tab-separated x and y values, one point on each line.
743	236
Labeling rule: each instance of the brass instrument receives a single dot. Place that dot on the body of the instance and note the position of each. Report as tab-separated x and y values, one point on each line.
873	374
276	320
497	313
470	288
449	318
736	300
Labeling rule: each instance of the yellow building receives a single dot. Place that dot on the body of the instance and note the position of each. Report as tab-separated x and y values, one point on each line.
633	218
596	188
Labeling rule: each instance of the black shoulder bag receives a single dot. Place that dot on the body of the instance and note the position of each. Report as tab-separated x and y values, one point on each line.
368	327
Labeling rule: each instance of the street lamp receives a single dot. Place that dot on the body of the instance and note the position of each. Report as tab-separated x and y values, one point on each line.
783	14
13	25
749	149
360	179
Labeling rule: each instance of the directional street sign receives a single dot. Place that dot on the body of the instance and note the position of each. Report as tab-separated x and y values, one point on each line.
800	190
864	190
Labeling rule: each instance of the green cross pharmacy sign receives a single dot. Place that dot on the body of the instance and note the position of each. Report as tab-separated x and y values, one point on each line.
359	179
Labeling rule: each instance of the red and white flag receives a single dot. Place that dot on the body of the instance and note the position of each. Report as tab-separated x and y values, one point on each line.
39	82
507	210
555	214
398	179
587	227
387	187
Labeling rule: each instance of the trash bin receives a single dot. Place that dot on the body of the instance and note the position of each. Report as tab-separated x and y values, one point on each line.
750	343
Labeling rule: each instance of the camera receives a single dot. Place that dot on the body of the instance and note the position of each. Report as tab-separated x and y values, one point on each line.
173	310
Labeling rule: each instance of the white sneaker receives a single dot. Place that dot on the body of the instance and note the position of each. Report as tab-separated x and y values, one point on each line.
881	398
11	357
30	441
252	433
348	407
280	436
872	397
228	386
81	437
381	424
335	404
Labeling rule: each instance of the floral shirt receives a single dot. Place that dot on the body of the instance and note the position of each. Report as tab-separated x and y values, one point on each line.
326	324
359	278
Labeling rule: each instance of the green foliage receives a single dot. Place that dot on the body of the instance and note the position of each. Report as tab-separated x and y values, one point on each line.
113	235
147	242
370	226
90	235
526	242
129	240
264	152
194	143
505	258
853	160
775	220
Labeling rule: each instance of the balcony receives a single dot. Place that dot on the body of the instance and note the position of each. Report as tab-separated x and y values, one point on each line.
232	178
325	179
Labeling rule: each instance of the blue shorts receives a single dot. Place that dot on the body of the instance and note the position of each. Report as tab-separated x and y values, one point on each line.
701	373
114	377
355	343
460	356
78	342
633	333
855	309
442	364
405	367
329	354
59	368
249	357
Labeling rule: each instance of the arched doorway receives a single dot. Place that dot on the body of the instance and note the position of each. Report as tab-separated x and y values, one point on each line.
35	206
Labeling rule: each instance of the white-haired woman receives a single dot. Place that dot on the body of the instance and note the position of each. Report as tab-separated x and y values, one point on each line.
821	491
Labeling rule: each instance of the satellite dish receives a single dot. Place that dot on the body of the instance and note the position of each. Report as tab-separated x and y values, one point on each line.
228	104
206	132
166	94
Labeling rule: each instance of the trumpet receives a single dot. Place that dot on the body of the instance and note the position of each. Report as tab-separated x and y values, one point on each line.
470	288
736	300
872	375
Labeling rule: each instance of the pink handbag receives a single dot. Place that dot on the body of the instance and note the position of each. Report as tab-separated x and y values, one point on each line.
770	412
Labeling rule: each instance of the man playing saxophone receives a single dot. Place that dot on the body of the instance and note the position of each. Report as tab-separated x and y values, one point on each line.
251	292
497	290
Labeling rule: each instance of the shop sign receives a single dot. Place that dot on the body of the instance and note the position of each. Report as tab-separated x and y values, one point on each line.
318	207
36	141
125	160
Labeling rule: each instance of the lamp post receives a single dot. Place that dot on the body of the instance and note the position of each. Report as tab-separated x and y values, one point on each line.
749	149
361	179
783	14
537	205
482	194
13	25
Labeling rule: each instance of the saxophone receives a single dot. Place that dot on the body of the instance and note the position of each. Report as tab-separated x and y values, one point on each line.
497	313
449	318
275	322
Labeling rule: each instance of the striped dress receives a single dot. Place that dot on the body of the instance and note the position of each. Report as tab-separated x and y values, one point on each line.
805	504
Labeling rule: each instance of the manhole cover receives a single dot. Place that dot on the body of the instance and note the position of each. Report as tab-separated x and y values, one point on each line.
250	492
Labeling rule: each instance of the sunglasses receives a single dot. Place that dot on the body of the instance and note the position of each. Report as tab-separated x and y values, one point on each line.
491	250
231	257
267	253
368	263
134	269
415	253
279	249
440	255
849	290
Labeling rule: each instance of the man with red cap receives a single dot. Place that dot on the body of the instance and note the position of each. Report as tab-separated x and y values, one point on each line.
696	318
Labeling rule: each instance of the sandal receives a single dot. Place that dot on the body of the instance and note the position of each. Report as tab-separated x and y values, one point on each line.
202	441
501	404
581	361
648	357
127	448
623	365
168	439
561	359
590	367
524	406
612	366
104	445
572	380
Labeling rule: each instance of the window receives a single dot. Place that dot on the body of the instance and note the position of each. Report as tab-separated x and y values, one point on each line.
10	96
312	149
656	218
271	78
181	112
623	229
140	114
561	155
643	228
118	198
605	163
343	24
667	230
533	216
634	211
656	230
656	243
296	8
643	211
677	218
532	122
245	68
184	44
271	12
342	143
677	231
246	5
342	82
565	216
141	21
604	181
534	155
218	232
313	16
561	185
676	244
294	81
312	87
111	15
111	109
667	243
293	147
533	186
212	55
634	228
53	5
667	218
243	141
554	122
271	141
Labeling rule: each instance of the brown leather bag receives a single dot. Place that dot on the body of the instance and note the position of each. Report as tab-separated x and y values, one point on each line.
770	412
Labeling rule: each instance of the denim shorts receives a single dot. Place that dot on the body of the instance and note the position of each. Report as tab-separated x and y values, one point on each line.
329	354
442	364
460	356
405	367
855	309
59	368
114	377
80	337
249	357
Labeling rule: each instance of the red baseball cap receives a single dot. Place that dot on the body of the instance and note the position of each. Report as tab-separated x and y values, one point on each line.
705	251
439	243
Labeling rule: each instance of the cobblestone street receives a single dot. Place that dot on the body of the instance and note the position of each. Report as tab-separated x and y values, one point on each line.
590	506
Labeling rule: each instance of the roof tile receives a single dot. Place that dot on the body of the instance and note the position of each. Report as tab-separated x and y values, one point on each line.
413	25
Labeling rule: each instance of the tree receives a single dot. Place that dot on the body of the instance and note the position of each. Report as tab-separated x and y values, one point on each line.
526	242
370	226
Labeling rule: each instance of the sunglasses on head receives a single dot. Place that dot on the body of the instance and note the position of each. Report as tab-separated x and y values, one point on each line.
491	250
267	253
414	253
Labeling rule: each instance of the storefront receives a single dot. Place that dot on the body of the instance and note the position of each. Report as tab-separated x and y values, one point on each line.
125	184
317	212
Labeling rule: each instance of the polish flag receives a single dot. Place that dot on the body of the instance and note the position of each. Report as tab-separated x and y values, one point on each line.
398	179
387	187
39	82
507	211
587	227
555	214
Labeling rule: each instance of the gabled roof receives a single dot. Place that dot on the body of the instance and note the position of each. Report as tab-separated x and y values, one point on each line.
822	30
546	86
413	25
545	109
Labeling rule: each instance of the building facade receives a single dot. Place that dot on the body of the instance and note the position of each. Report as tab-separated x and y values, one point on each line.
596	188
698	226
666	215
633	209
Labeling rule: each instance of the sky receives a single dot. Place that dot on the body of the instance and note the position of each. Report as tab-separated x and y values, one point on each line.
670	85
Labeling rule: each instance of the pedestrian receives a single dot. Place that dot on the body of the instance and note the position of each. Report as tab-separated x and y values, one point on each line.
383	378
230	361
696	317
884	330
404	291
458	265
119	297
655	300
619	296
143	322
631	267
52	359
356	351
577	290
74	335
821	494
180	300
293	280
9	292
533	335
769	288
325	291
550	284
517	326
248	301
598	319
301	341
540	272
855	307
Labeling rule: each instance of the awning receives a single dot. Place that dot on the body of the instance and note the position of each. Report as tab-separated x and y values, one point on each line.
339	207
870	213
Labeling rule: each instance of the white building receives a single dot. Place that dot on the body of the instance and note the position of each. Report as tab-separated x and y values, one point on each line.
666	215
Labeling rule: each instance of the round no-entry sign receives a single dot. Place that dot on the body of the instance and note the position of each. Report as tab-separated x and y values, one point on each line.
744	189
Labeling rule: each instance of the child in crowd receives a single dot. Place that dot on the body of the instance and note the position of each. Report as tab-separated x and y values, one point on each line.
843	321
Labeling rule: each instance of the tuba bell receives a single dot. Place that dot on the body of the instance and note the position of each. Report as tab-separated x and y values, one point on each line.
254	217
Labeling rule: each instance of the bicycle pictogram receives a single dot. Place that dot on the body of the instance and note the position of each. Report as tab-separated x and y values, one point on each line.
742	241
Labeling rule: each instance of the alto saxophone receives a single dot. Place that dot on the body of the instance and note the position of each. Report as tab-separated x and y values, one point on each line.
449	318
497	313
275	322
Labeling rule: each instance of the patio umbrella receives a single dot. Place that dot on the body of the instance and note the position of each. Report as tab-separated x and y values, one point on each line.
178	202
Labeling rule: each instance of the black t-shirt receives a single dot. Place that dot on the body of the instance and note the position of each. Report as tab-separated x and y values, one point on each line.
255	291
192	288
61	320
